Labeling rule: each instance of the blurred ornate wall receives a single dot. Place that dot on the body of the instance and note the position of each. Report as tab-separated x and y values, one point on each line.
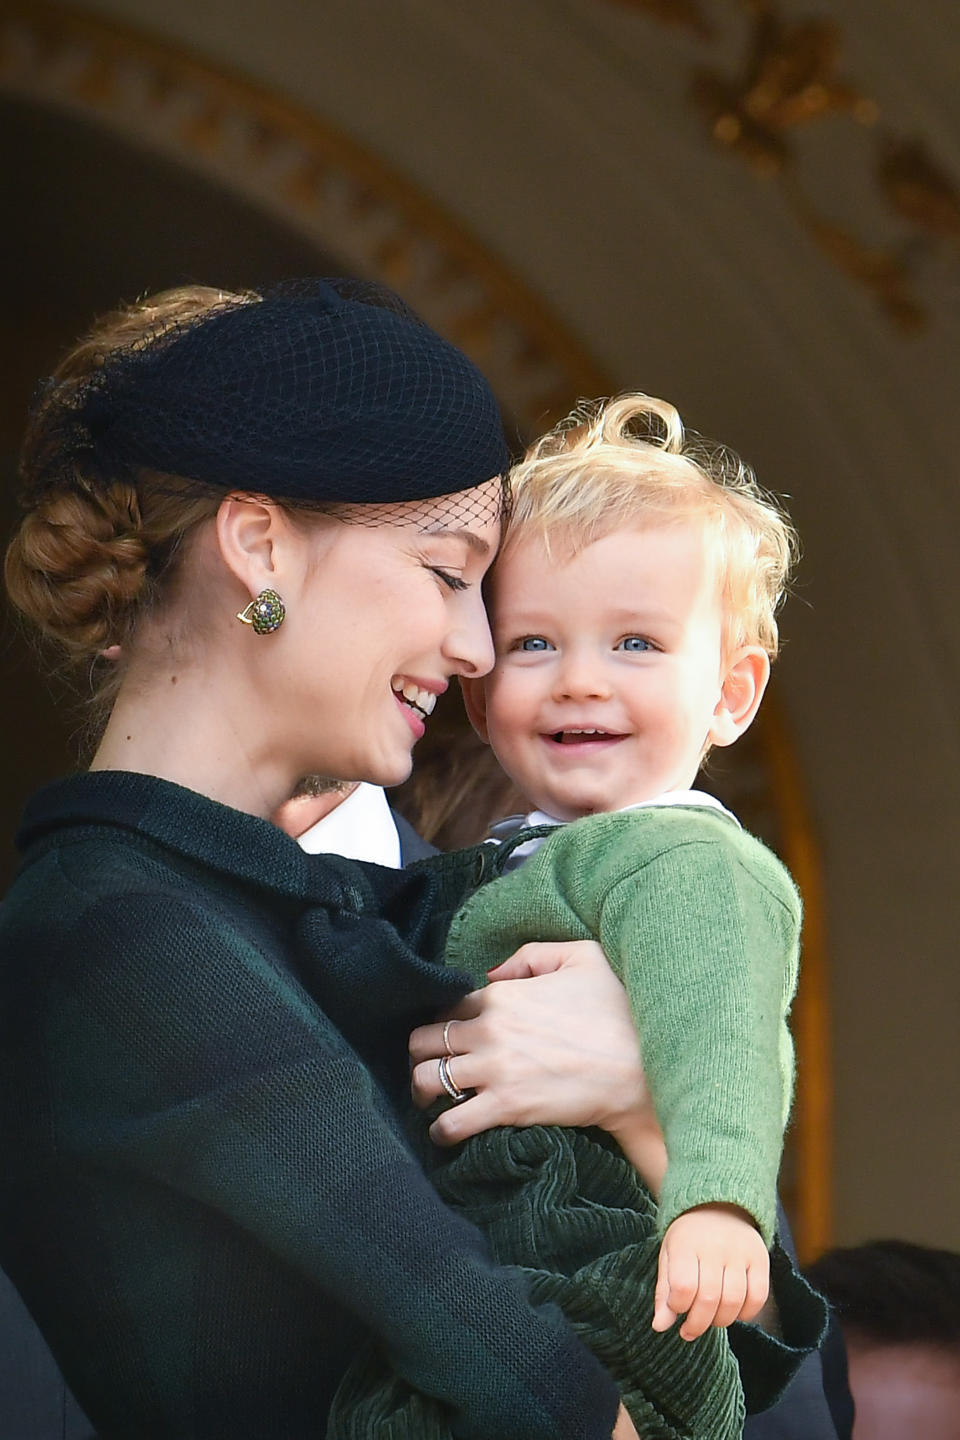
719	202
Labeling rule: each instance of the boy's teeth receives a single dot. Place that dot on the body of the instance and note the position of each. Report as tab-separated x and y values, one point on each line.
422	700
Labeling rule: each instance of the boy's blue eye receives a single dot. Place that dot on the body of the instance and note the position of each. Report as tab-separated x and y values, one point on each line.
533	643
635	644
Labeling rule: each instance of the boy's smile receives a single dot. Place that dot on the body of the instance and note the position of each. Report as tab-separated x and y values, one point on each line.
608	686
586	737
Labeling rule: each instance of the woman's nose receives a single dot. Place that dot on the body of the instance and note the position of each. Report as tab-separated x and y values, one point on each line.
469	644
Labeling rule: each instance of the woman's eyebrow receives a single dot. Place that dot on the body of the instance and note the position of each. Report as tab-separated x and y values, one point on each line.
478	545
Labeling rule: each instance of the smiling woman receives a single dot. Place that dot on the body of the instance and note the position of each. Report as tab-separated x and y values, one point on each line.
208	1201
324	566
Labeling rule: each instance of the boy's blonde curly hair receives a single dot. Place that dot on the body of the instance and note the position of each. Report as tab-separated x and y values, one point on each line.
628	463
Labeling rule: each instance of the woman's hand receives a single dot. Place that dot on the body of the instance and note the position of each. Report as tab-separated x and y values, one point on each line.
624	1428
549	1041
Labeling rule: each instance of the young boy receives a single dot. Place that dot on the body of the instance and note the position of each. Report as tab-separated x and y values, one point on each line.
633	612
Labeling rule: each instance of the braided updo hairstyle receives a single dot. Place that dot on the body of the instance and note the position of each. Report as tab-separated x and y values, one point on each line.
90	558
325	396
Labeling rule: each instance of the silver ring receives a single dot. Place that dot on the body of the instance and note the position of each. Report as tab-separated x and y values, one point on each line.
446	1040
447	1081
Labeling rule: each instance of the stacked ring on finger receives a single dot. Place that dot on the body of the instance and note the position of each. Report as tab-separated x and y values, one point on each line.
450	1052
447	1081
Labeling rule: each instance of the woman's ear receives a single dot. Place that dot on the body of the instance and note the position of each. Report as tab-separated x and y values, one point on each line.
475	703
247	530
744	681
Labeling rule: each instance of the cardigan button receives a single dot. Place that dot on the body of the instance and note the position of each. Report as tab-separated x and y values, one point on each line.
480	866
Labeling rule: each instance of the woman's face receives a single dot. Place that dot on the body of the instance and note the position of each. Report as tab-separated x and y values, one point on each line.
383	615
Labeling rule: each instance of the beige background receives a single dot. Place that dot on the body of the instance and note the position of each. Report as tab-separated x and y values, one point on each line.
558	133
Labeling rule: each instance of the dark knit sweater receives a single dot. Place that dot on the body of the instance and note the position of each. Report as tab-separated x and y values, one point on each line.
206	1197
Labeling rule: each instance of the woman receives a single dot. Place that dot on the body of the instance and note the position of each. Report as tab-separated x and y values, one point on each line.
280	509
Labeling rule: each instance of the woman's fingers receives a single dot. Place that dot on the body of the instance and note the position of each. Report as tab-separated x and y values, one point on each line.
483	1108
542	959
554	1044
463	1071
624	1429
427	1041
480	1112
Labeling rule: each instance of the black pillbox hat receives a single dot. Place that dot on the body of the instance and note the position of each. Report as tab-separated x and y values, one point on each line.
322	391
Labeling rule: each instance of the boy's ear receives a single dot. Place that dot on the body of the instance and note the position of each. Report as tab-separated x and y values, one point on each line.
744	681
475	703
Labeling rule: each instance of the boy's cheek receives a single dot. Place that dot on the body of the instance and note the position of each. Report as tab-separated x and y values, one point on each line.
507	708
474	691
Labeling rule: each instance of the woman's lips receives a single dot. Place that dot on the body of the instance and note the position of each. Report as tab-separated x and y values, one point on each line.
413	718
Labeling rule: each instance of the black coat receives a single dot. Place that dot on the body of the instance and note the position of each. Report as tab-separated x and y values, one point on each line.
35	1403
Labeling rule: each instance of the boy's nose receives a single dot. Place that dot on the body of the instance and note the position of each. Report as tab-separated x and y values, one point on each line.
581	679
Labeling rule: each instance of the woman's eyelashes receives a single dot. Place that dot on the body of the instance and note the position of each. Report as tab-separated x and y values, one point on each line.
453	582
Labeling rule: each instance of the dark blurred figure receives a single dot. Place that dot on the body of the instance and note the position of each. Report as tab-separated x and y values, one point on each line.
898	1306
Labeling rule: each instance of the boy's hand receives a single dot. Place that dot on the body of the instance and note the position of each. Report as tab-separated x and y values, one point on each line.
714	1269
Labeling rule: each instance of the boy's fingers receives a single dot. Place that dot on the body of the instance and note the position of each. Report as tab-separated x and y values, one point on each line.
663	1316
684	1272
701	1312
733	1295
758	1288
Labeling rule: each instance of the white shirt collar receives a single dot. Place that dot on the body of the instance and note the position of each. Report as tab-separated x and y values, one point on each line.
698	798
360	828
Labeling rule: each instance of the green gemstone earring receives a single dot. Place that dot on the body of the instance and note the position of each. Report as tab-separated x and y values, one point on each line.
265	613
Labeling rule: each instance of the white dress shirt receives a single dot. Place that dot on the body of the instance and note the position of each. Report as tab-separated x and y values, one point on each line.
359	828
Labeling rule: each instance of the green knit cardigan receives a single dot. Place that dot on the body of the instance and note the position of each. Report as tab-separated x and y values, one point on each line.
701	922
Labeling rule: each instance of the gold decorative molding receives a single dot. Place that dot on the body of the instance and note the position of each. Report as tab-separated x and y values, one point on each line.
789	79
287	161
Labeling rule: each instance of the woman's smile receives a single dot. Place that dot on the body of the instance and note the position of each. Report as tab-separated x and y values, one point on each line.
416	702
417	697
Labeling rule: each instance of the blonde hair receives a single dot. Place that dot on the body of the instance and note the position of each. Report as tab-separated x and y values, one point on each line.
628	462
90	558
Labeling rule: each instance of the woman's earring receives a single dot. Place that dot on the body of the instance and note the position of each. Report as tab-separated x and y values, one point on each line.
265	613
